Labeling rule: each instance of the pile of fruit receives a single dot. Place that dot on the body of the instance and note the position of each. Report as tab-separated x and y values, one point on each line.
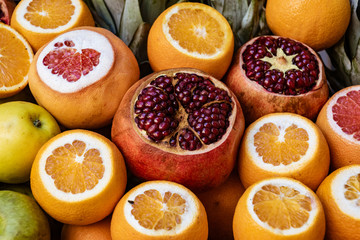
175	119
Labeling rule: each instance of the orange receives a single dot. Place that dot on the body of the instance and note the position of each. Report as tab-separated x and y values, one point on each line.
159	210
16	56
81	76
339	194
339	120
317	23
220	203
39	21
283	144
279	209
96	231
191	35
78	177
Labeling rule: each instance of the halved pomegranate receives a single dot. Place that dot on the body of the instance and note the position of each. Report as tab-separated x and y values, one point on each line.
276	74
6	9
180	125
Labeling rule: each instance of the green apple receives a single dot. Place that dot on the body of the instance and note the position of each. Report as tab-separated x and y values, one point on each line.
21	218
24	128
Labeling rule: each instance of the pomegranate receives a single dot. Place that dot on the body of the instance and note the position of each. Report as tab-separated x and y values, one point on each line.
276	74
181	125
6	9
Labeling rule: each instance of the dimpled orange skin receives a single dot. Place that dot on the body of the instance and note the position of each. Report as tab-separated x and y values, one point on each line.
256	101
245	227
197	172
94	106
121	229
86	211
339	226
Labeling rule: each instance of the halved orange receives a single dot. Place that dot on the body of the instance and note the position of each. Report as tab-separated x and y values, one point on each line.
339	120
283	144
339	194
159	210
15	58
279	208
192	35
39	21
78	177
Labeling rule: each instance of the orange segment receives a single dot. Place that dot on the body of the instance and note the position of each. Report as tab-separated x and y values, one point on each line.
159	210
49	14
39	21
283	144
156	212
282	207
196	31
279	208
78	176
275	150
15	58
339	194
74	169
195	35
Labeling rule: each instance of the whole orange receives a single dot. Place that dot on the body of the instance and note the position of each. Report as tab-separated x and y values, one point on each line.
317	23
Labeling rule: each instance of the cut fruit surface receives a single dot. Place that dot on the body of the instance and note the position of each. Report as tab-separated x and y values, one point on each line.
16	56
340	196
283	144
159	210
41	20
81	76
339	120
279	208
78	177
194	35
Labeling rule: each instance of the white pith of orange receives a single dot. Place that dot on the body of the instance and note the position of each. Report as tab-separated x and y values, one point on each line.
82	39
283	123
91	143
349	207
15	58
292	185
201	32
191	209
24	9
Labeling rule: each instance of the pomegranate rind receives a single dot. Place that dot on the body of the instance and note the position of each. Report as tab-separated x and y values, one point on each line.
256	101
6	8
93	106
197	170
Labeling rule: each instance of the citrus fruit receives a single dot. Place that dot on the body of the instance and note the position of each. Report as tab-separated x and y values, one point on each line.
220	203
96	231
339	120
339	194
279	208
39	21
78	176
317	23
191	35
81	76
16	56
176	125
157	210
283	144
21	217
276	74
